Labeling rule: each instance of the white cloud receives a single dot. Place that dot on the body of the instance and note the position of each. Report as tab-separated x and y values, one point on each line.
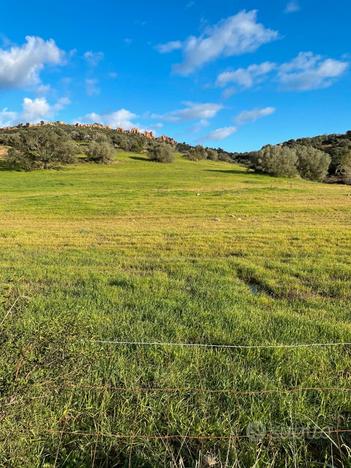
246	77
43	89
193	111
91	87
221	133
254	114
308	71
20	66
61	104
33	110
38	109
7	118
122	118
93	58
235	35
292	7
169	47
228	92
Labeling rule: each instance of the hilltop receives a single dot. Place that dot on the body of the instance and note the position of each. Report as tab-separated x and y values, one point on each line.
335	146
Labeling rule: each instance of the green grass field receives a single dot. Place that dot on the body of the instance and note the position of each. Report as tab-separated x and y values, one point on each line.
183	253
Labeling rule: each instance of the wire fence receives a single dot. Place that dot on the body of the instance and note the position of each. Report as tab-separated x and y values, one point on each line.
328	432
231	391
220	346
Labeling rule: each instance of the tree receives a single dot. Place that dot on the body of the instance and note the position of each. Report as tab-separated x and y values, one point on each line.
312	164
212	154
197	153
100	153
161	153
344	164
136	146
276	160
41	149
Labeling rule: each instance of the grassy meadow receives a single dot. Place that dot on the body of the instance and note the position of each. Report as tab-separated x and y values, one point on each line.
189	252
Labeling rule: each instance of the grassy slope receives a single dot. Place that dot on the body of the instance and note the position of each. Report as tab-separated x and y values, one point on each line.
186	252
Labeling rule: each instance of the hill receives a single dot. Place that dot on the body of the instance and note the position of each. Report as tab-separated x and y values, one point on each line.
336	146
98	259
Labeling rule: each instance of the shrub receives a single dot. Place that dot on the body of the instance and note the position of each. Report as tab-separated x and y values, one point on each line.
42	149
100	137
344	164
341	160
100	153
136	146
212	154
312	164
161	153
197	153
276	160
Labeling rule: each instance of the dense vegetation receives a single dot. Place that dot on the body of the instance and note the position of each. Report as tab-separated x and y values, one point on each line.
161	153
188	252
323	158
326	157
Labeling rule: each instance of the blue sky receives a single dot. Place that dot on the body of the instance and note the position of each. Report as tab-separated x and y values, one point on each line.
236	74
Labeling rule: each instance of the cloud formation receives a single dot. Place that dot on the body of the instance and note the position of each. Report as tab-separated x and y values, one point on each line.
305	72
7	117
246	77
20	66
309	71
121	118
254	114
193	111
33	111
221	133
93	58
169	47
236	35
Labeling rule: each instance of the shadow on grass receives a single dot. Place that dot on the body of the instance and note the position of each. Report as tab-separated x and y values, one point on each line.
139	158
230	171
4	167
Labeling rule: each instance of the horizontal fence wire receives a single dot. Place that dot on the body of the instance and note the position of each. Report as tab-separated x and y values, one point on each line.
219	346
279	435
11	400
231	391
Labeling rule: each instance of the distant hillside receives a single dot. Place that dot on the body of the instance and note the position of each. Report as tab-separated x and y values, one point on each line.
336	146
134	139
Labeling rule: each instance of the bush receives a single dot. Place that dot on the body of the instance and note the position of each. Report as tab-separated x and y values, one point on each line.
161	153
312	164
276	160
42	149
197	153
100	153
212	154
136	146
341	160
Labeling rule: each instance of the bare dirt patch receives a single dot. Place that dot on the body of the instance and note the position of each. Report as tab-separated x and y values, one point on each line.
3	151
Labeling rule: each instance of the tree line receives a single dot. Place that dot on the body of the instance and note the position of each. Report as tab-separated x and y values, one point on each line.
322	158
53	146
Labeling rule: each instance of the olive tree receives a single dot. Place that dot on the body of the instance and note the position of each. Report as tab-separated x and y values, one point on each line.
212	154
197	153
312	163
100	153
161	153
276	160
41	149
